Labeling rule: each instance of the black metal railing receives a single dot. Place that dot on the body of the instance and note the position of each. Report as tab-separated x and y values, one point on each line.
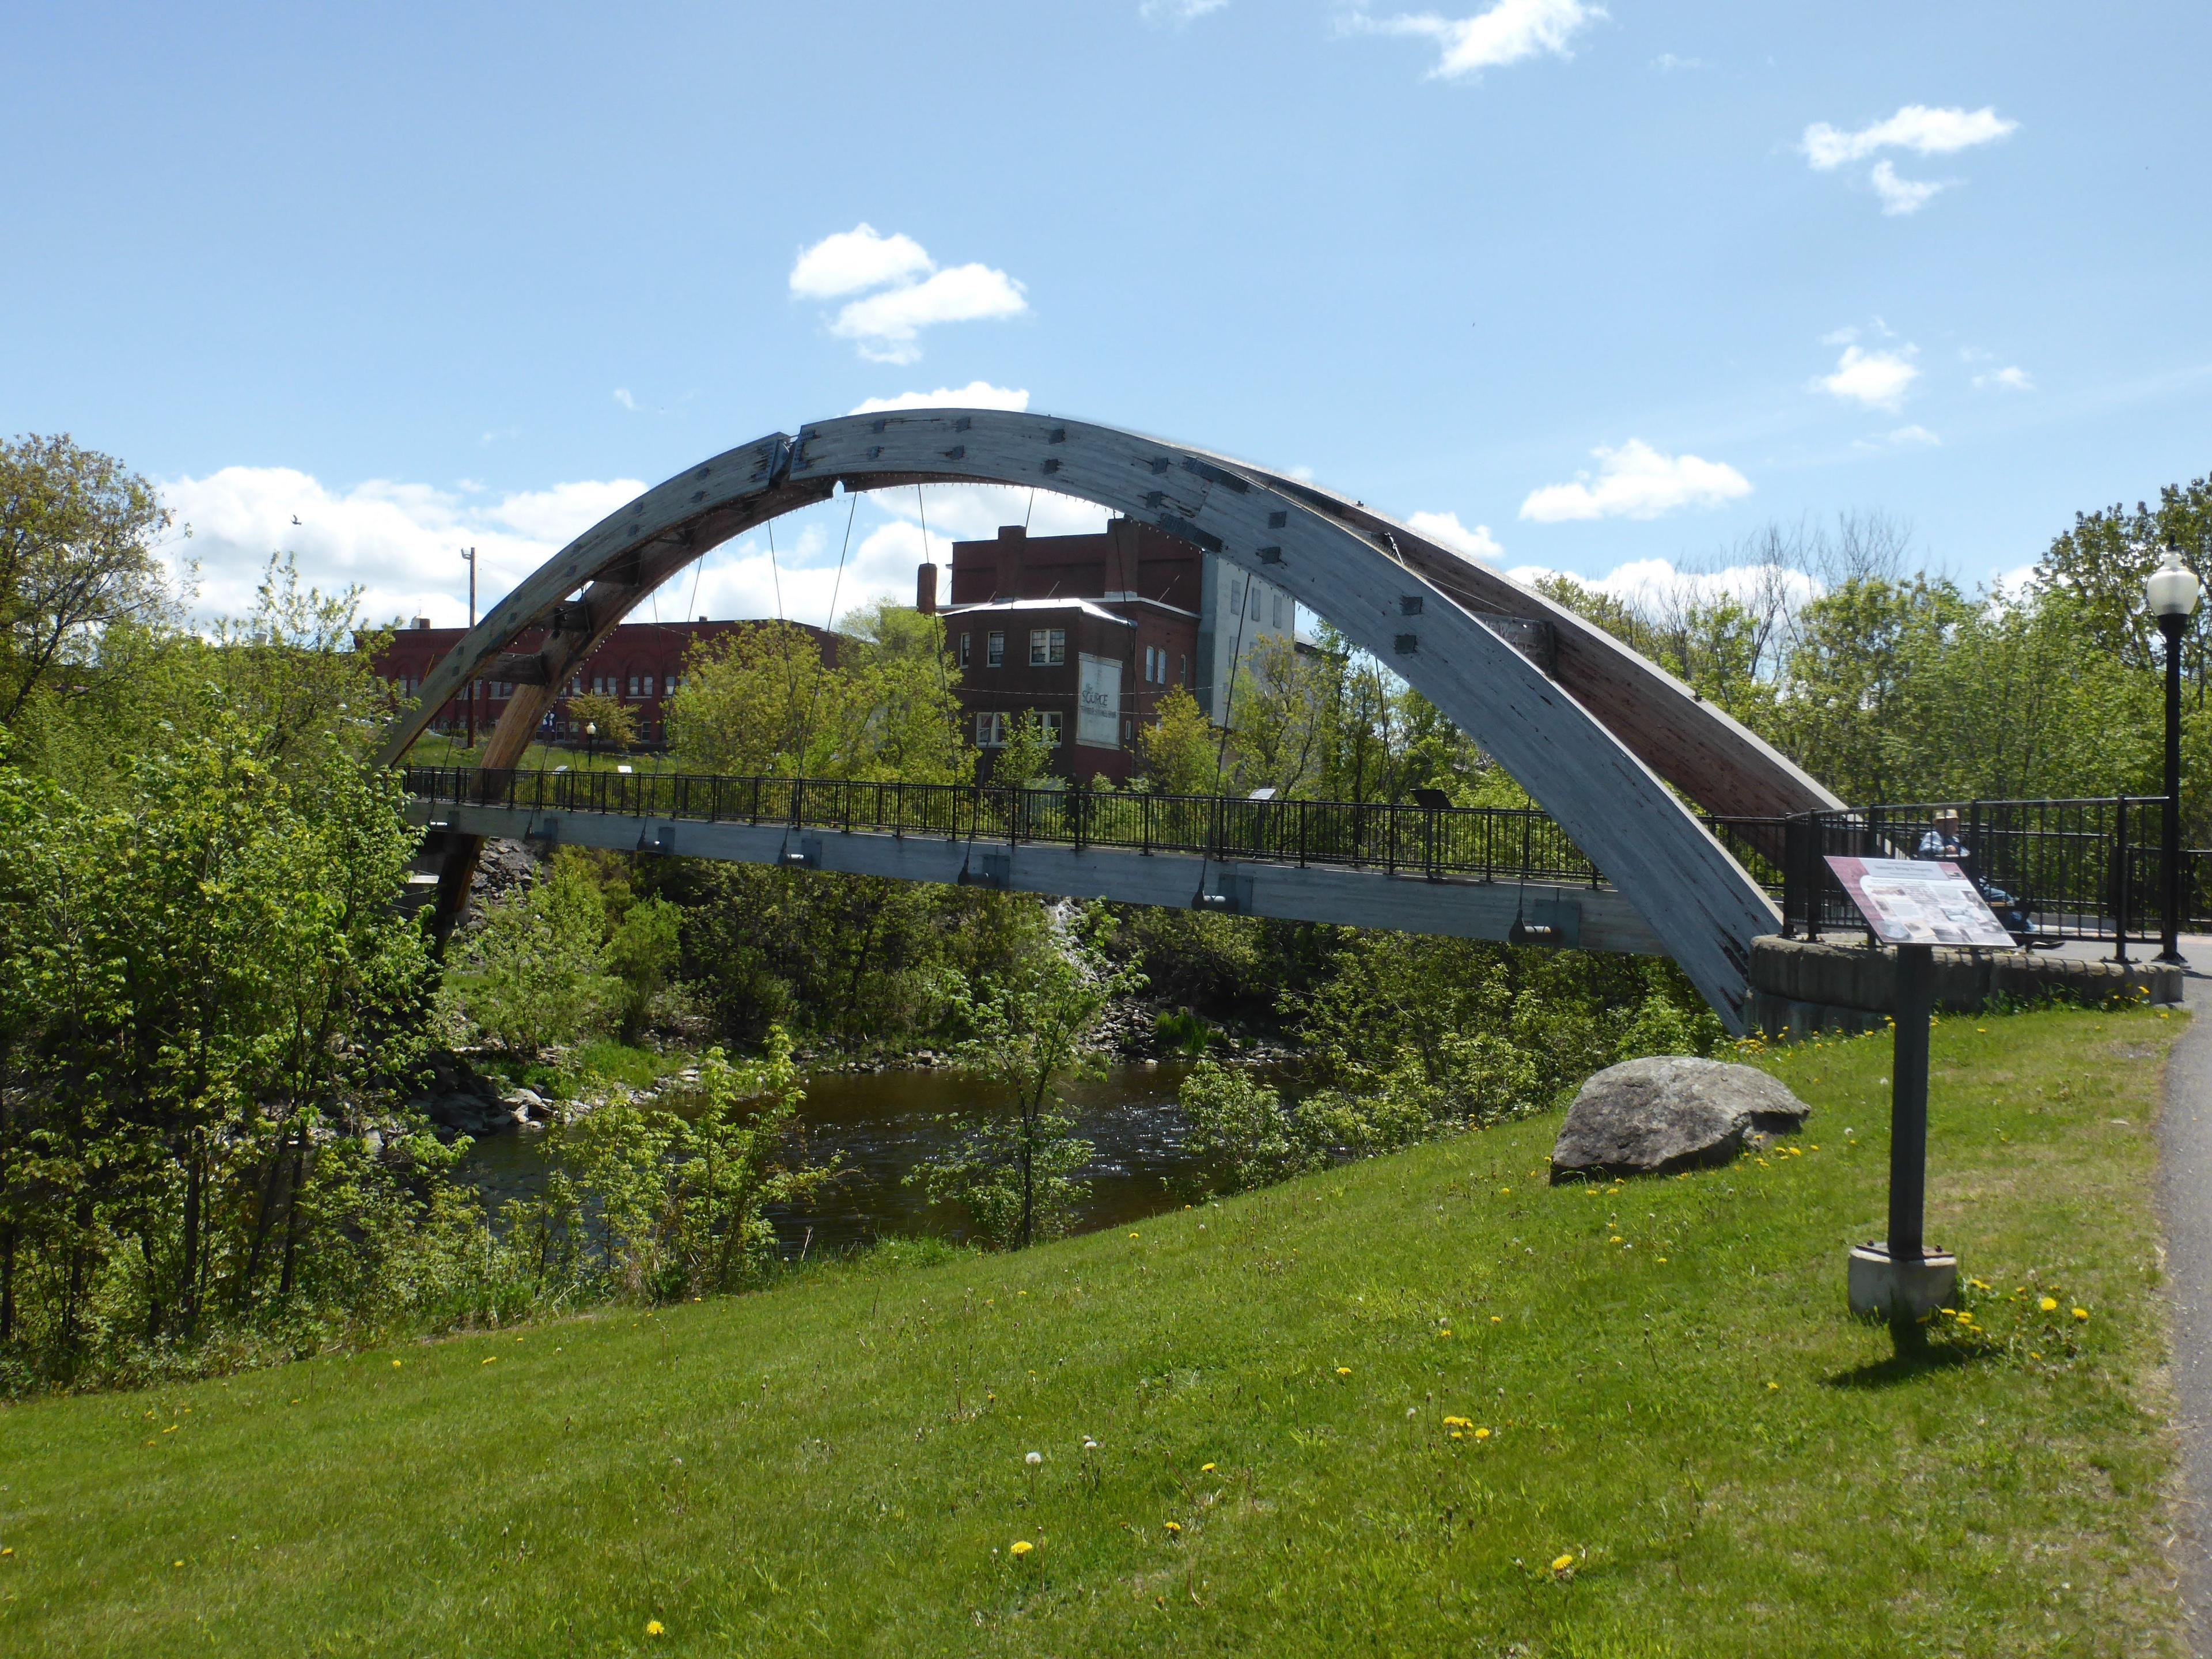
1481	843
2090	869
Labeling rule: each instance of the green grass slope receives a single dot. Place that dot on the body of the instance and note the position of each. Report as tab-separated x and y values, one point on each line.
1680	1411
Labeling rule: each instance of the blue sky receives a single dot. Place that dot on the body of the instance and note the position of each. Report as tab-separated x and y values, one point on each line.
1617	285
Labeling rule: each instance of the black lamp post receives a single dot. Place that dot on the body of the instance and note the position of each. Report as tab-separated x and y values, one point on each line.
2172	592
591	743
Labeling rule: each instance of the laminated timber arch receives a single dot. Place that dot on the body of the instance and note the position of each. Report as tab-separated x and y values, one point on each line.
1591	742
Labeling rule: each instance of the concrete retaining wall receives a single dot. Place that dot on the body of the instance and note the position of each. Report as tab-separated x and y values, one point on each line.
1798	986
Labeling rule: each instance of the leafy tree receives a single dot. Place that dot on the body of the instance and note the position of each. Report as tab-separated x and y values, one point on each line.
1029	1029
642	953
762	702
614	722
534	973
77	538
1180	748
1026	760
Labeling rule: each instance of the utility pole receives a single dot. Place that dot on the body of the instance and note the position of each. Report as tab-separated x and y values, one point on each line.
470	556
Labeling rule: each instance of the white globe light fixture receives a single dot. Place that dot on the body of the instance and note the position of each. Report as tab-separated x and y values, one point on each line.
2171	592
2172	589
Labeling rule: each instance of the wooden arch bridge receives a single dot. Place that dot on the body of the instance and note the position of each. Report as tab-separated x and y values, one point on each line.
1596	740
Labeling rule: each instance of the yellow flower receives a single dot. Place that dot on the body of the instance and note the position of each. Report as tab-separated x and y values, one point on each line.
652	1627
2080	1313
1774	1388
1206	1469
2035	1355
2049	1305
1563	1563
1497	1319
1457	1435
1344	1371
395	1364
1615	1239
1482	1434
1132	1235
1663	1261
1174	1526
1443	1333
1459	1422
491	1359
176	1564
1020	1547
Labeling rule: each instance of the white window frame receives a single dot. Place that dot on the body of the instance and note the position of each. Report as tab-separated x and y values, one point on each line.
995	649
1051	720
991	730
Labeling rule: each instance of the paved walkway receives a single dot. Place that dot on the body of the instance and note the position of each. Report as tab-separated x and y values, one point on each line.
2185	1204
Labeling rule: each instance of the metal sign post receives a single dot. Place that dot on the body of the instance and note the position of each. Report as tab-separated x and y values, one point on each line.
1914	905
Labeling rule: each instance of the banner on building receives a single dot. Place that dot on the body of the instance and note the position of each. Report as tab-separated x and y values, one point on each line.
1098	703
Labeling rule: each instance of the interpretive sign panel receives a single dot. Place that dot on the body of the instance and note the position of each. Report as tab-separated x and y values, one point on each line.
1920	902
1098	703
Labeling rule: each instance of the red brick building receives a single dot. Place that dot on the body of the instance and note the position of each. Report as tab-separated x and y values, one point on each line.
1091	631
642	664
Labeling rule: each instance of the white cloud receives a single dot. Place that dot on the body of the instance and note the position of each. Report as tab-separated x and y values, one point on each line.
884	325
1636	481
910	293
2012	379
1667	63
1175	14
1901	196
1915	127
1657	585
400	542
1508	31
1876	379
622	397
976	394
856	260
1446	528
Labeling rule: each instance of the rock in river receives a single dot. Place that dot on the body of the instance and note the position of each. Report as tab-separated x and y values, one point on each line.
1670	1112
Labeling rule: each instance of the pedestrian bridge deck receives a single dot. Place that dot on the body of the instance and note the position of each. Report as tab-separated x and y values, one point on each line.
1472	872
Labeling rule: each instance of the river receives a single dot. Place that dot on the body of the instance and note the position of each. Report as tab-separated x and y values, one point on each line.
884	1123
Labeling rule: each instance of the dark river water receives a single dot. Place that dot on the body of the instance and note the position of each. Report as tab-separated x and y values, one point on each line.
885	1123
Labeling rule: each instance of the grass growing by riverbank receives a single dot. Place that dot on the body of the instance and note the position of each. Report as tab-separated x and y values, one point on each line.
1424	1404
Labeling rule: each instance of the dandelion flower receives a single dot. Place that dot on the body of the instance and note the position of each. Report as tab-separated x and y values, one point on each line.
653	1627
1344	1371
1497	1319
1443	1333
2080	1313
1033	1459
1174	1526
1019	1547
176	1564
1663	1261
1563	1563
1206	1469
395	1364
1132	1235
1774	1388
491	1359
2049	1305
1457	1435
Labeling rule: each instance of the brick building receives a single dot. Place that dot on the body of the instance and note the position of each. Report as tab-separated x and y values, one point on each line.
642	664
1091	631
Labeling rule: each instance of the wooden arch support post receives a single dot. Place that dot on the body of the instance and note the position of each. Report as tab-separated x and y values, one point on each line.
1595	766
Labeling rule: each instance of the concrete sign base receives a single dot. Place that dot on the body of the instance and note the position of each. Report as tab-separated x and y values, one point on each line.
1883	1289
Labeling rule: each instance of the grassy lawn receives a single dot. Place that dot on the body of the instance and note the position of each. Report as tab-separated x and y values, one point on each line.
1679	1411
437	749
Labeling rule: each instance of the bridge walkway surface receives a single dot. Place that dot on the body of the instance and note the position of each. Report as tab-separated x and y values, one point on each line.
2185	1205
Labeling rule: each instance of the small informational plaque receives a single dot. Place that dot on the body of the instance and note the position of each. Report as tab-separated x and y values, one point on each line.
1920	902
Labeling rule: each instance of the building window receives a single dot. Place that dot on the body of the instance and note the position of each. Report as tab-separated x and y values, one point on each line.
1255	601
1182	670
648	685
1150	652
668	686
964	650
1047	647
1050	720
1278	610
990	731
633	685
995	649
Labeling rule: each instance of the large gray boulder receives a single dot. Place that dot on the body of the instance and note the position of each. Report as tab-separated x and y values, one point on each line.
1670	1112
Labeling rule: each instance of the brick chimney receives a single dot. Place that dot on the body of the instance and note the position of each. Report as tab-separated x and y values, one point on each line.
925	589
